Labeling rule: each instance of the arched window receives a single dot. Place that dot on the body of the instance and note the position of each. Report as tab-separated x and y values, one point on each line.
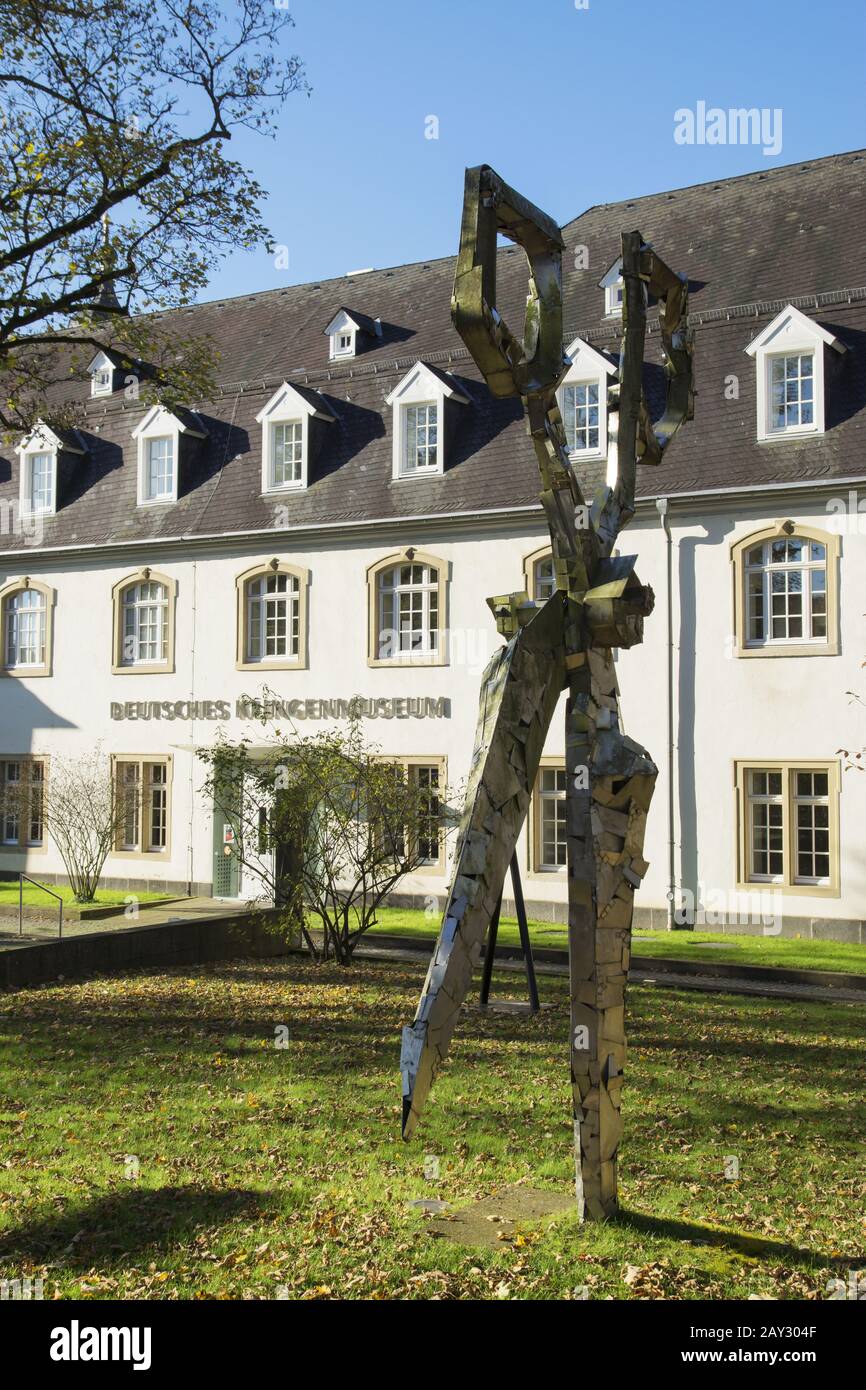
144	606
26	621
786	585
408	616
272	617
539	577
145	623
407	601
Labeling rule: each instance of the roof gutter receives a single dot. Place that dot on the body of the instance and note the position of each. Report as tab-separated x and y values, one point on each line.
490	517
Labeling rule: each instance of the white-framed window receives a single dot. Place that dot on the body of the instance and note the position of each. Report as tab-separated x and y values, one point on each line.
580	415
612	284
421	439
287	453
273	617
160	438
424	402
145	623
549	832
790	829
789	358
425	783
582	399
142	788
41	481
342	334
159	483
40	453
293	425
792	391
544	579
22	800
25	622
786	591
101	369
409	619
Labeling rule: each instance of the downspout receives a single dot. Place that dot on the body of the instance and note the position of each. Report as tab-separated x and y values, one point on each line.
662	507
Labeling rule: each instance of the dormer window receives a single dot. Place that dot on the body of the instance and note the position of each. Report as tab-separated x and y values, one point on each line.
163	437
293	423
160	484
40	483
40	454
349	332
789	357
424	405
101	370
583	401
421	439
612	284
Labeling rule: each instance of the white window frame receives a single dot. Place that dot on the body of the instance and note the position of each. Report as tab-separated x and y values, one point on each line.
101	370
292	597
789	881
791	334
140	844
297	592
340	327
43	441
12	662
22	813
163	610
588	368
288	406
428	589
167	464
613	286
420	386
159	424
29	670
541	799
766	569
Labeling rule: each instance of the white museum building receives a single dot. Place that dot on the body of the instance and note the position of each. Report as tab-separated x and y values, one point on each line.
324	533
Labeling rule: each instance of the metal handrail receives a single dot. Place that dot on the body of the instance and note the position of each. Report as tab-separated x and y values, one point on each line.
21	878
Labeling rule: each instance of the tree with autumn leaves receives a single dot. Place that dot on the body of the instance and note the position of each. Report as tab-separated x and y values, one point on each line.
117	191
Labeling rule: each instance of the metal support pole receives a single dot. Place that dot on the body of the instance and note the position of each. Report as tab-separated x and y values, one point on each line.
523	927
20	904
489	953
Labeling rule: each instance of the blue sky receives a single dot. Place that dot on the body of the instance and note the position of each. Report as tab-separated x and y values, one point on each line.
562	101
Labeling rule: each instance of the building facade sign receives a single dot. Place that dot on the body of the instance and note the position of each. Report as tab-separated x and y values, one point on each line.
356	707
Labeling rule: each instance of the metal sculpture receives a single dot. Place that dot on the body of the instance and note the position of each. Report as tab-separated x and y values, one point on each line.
564	643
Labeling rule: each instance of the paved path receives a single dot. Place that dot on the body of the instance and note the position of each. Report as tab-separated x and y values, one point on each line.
198	909
706	984
185	909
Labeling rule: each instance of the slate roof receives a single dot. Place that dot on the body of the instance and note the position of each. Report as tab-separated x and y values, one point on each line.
749	245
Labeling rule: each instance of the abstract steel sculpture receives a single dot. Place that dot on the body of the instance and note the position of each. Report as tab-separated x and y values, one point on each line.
563	643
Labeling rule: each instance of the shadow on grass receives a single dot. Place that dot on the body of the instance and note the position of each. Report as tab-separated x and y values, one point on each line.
130	1222
736	1242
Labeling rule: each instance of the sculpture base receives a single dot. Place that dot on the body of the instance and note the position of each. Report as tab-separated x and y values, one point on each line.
495	1221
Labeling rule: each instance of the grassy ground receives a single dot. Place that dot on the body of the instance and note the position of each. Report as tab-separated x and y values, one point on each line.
270	1171
686	945
35	897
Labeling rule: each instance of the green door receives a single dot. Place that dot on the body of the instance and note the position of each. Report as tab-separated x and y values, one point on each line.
226	878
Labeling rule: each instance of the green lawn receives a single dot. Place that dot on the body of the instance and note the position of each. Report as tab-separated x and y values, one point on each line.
271	1171
35	897
685	945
